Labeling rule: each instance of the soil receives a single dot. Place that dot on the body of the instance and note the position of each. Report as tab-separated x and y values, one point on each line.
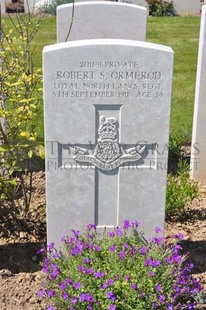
20	271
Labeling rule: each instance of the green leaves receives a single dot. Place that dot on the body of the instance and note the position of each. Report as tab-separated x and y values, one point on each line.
20	100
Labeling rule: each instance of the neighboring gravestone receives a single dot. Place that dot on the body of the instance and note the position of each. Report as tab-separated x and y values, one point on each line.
100	20
198	149
107	111
136	2
183	7
3	6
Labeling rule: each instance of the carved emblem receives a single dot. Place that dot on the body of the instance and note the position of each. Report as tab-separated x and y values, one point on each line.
108	153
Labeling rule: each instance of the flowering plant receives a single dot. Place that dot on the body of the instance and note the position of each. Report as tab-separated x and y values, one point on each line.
117	270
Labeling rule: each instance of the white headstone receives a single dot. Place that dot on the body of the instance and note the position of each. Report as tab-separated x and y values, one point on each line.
183	7
3	6
136	2
198	149
31	6
107	111
100	20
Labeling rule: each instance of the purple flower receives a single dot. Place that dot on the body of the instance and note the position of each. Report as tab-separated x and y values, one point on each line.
133	250
50	247
127	224
111	295
127	277
56	255
89	271
112	307
169	306
161	298
156	240
122	255
50	293
86	297
77	285
99	274
156	263
151	273
40	293
62	286
97	248
158	230
87	260
148	262
68	281
112	248
111	234
179	236
74	300
65	296
50	308
40	251
135	224
143	250
110	282
154	305
90	226
104	285
119	232
191	306
133	286
76	233
125	246
63	238
55	271
81	268
158	287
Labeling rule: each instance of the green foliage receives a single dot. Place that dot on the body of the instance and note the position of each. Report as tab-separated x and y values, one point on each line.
21	91
181	33
50	7
180	190
160	7
118	270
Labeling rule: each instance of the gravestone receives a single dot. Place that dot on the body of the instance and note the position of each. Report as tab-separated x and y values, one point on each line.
183	7
136	2
100	20
198	149
107	111
3	6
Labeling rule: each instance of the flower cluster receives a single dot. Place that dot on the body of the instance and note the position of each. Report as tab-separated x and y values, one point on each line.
118	270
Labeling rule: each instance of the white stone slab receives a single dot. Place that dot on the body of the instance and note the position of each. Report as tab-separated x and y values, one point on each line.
3	6
136	2
101	20
198	150
107	111
183	7
31	6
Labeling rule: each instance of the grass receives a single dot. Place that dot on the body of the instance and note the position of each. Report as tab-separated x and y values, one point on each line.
180	33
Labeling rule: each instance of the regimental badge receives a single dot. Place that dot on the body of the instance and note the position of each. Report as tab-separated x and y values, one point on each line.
108	154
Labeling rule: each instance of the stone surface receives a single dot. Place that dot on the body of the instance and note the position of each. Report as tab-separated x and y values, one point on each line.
100	20
183	7
198	149
31	6
107	111
3	6
136	2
